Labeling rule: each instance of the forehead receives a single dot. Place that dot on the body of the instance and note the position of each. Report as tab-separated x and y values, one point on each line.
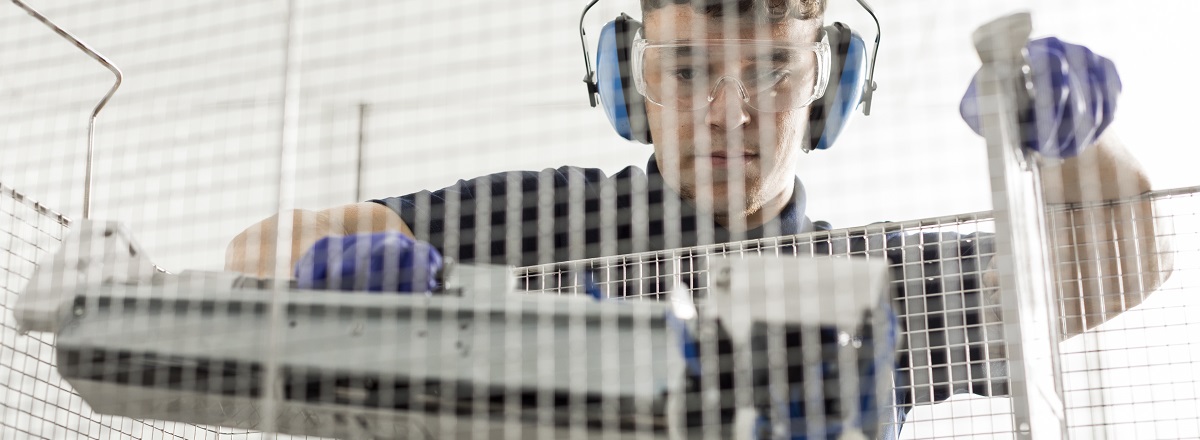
677	22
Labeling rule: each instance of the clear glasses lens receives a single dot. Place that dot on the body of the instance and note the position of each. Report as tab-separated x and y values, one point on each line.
767	77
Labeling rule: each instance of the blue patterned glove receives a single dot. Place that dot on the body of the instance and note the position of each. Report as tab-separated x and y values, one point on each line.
383	261
1074	98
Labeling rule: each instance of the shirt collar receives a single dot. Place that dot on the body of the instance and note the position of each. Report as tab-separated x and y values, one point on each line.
792	220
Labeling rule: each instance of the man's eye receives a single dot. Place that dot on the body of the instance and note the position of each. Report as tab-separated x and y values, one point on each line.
684	74
779	76
772	78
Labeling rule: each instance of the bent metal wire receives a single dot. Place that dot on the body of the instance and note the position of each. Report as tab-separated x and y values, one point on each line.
119	77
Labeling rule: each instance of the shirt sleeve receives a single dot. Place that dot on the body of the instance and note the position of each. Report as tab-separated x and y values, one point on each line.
494	218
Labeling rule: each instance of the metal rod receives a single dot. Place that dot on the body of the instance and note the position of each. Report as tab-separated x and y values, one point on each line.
590	77
363	111
289	120
870	87
91	140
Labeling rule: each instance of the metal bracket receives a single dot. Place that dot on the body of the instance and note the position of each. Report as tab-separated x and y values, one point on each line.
1022	242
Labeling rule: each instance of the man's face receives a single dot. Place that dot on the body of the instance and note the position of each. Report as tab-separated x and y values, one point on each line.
727	157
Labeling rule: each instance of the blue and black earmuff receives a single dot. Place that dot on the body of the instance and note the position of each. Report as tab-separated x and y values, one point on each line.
847	83
850	81
625	107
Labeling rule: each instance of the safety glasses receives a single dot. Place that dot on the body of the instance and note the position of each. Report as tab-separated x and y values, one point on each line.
769	76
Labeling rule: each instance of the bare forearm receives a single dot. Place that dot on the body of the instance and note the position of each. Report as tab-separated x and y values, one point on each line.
1102	173
254	251
1109	248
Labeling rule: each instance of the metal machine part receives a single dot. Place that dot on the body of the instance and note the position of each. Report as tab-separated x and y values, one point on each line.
214	348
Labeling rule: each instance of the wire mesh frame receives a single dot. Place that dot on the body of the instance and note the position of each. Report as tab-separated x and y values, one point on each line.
35	401
48	416
644	277
1152	346
954	334
954	340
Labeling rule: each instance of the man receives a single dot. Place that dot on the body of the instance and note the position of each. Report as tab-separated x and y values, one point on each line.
725	169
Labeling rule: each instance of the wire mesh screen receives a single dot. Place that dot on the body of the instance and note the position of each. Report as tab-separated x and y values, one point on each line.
1119	378
239	122
38	402
1135	375
952	343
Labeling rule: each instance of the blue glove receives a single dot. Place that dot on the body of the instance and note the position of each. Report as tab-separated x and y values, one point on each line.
1074	98
383	261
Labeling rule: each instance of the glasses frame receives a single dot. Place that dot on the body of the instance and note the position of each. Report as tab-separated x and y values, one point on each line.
821	48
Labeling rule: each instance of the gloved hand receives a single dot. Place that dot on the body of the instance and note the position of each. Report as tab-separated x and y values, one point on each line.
1074	98
383	261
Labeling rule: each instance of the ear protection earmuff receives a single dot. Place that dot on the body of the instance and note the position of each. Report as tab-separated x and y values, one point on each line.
850	81
625	107
828	115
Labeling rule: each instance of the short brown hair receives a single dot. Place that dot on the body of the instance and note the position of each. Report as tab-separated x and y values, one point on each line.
772	9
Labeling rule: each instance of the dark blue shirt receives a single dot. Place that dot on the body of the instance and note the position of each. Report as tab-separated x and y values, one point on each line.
524	218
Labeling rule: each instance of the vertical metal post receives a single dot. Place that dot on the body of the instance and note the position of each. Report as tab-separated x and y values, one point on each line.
288	151
91	139
363	112
1022	242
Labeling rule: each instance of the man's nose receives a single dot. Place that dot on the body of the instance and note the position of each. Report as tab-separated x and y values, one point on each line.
728	108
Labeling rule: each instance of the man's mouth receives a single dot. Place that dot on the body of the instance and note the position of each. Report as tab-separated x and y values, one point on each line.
722	159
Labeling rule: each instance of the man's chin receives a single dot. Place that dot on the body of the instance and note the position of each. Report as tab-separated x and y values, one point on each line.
722	200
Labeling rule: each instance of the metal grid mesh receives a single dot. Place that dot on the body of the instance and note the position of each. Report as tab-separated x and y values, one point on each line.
953	331
1137	375
37	402
953	345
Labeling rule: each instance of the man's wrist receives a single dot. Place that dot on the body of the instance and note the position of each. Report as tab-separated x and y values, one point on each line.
1105	171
